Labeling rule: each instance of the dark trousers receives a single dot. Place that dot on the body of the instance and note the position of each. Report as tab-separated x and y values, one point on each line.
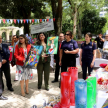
57	69
6	72
65	65
0	84
85	65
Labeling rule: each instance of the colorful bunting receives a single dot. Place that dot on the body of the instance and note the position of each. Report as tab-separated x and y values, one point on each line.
24	21
18	21
47	20
35	20
15	21
4	21
11	20
27	20
7	20
32	20
21	20
40	20
53	19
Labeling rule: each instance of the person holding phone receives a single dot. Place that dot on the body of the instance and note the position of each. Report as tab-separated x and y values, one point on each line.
44	63
87	55
68	51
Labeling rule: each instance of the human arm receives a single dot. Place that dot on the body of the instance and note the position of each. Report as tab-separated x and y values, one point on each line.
102	39
17	55
94	55
80	58
61	53
0	61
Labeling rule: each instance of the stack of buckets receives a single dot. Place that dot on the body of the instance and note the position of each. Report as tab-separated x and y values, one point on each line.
79	93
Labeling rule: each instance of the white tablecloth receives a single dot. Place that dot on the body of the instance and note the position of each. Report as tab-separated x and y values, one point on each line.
101	98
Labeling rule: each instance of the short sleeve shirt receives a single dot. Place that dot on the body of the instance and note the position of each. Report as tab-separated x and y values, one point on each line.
99	43
71	45
87	51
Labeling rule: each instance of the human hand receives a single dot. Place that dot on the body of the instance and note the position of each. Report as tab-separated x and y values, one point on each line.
4	61
24	60
60	63
92	64
0	64
54	61
66	51
81	63
44	55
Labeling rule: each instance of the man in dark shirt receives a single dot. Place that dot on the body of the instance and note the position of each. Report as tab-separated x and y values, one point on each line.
100	41
1	97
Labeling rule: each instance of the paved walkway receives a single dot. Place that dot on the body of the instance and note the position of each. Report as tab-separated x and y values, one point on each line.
35	97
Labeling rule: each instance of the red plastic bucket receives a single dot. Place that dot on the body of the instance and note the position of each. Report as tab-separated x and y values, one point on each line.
73	71
65	90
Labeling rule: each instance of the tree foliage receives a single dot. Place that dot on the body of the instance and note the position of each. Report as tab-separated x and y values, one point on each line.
91	22
23	9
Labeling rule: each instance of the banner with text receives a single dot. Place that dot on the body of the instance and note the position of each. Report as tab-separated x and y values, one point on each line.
42	27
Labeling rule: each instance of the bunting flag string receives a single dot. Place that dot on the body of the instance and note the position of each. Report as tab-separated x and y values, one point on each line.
25	20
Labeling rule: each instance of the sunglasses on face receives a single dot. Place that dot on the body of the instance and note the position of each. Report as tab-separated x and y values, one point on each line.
21	38
67	34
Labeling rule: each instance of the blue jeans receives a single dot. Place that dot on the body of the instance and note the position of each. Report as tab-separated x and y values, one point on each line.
85	65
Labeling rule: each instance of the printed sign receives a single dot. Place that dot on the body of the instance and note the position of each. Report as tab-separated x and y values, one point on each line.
52	45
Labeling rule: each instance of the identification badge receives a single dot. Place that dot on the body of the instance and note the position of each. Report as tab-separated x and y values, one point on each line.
90	46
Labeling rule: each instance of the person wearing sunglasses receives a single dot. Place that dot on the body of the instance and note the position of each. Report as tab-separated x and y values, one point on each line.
68	51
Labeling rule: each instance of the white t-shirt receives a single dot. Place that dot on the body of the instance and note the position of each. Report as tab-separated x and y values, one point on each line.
105	45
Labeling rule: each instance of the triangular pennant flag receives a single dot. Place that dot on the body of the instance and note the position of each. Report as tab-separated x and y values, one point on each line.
15	21
47	20
11	20
7	20
27	20
24	21
21	20
35	20
0	20
32	20
18	21
53	19
40	20
4	20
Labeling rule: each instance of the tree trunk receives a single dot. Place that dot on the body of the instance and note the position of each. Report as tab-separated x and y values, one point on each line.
26	28
79	30
75	21
57	14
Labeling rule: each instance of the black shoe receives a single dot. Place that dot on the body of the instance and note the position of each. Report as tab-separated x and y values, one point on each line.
54	81
39	88
11	89
15	80
47	89
3	98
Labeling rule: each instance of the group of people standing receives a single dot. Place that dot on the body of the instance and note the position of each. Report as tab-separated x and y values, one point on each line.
65	57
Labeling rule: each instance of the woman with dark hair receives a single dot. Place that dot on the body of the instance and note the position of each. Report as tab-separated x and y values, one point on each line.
68	52
44	63
87	55
21	52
